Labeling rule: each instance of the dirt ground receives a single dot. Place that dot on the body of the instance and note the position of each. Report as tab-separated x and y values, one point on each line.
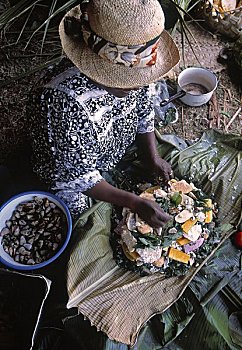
222	112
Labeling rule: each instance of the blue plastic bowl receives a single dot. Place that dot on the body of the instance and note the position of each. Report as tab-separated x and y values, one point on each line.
6	212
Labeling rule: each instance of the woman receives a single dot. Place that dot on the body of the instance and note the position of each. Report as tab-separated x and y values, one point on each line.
84	118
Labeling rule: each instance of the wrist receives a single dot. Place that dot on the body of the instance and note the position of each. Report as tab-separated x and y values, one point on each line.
154	157
148	158
150	163
133	202
147	145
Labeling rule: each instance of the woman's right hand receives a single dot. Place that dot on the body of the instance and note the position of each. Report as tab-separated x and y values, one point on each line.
147	210
150	212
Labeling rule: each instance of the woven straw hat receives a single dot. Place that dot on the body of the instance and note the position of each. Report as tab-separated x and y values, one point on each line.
124	22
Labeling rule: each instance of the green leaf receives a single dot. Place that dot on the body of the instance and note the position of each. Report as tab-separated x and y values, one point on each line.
163	203
176	198
170	115
144	241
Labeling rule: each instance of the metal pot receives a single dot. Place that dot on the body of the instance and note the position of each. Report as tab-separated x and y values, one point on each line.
195	87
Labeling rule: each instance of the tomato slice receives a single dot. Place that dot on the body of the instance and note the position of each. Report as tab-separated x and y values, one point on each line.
238	239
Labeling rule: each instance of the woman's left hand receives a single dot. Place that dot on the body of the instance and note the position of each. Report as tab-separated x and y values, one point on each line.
151	161
159	167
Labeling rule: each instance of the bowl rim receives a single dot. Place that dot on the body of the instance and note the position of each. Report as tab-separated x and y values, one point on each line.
68	234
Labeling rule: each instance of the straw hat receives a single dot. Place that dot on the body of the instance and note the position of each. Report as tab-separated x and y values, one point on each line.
122	24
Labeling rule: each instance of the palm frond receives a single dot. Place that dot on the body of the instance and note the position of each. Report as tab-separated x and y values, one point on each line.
184	7
28	8
185	31
63	8
184	10
25	24
53	5
16	11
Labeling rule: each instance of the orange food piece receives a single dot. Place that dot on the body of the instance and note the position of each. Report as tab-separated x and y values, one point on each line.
180	186
209	213
177	255
159	262
132	256
182	240
147	195
152	189
188	225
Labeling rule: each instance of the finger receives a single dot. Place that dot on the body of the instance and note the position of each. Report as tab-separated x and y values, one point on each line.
161	220
166	176
158	224
165	219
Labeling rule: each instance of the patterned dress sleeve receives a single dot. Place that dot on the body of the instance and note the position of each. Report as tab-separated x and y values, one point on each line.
64	147
145	112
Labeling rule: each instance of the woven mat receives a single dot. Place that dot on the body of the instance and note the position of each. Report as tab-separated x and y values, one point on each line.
119	302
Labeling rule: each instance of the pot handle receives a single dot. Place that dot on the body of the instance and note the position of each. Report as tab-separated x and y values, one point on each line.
172	98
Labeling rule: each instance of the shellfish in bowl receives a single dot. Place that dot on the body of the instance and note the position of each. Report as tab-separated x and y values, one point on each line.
35	228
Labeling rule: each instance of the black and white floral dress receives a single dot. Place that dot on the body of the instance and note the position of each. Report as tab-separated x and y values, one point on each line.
79	130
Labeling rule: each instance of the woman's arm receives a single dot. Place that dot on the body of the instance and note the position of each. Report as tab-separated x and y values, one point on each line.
145	138
149	156
147	210
147	146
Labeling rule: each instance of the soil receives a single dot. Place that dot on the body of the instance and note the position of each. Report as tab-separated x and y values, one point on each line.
226	100
16	61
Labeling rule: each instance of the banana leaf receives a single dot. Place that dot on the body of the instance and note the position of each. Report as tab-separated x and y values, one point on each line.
205	316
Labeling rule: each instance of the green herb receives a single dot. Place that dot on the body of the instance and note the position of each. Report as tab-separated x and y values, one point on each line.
146	241
199	194
164	203
167	239
170	116
176	198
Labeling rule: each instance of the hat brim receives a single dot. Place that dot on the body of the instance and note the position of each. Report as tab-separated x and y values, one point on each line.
114	75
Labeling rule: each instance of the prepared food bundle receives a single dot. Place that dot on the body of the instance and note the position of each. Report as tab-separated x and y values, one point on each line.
185	241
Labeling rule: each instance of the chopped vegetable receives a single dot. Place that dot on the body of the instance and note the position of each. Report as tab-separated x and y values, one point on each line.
209	213
170	248
183	216
188	225
238	239
177	255
176	198
183	241
181	186
133	256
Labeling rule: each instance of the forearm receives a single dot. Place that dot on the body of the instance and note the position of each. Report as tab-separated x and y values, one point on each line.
146	144
105	192
149	156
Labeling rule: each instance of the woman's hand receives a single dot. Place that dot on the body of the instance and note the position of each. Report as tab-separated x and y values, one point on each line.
147	210
154	165
160	167
150	212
